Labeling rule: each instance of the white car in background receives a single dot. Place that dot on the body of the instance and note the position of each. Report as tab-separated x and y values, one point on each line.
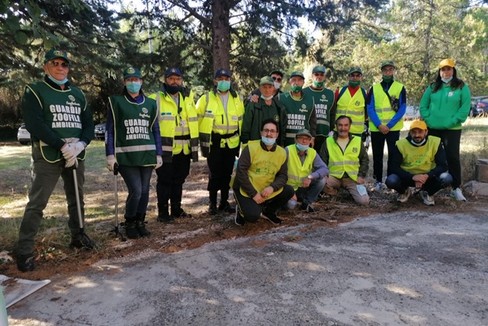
23	135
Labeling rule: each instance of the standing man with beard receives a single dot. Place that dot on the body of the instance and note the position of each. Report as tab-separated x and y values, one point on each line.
178	124
323	99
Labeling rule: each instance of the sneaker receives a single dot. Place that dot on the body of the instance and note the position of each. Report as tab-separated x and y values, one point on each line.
226	207
428	200
81	241
239	220
402	198
458	194
378	186
212	209
307	208
25	263
271	217
131	229
141	229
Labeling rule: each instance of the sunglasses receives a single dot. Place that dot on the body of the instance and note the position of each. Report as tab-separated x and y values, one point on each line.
278	79
58	63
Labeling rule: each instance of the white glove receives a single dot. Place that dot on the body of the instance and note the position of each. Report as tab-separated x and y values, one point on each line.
72	162
72	150
159	161
111	162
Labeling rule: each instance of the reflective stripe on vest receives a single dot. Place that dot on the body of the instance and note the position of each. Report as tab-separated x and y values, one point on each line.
296	170
344	162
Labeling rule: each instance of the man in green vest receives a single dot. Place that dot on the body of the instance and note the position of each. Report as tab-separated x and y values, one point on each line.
178	125
323	99
351	101
265	107
300	110
259	186
386	103
61	125
347	160
418	161
306	172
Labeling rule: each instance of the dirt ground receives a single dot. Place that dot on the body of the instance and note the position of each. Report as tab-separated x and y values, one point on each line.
201	228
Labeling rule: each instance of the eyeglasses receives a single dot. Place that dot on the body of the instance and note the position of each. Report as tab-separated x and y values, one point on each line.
278	79
270	131
63	64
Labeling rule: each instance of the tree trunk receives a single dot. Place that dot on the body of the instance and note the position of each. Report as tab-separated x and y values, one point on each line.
221	33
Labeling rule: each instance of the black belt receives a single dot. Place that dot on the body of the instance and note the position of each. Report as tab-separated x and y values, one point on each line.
182	137
216	136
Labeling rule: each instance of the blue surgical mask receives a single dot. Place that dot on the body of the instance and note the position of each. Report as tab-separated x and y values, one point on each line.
446	80
223	85
268	141
133	87
302	148
58	82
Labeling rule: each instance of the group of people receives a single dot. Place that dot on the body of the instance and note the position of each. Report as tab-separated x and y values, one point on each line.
284	148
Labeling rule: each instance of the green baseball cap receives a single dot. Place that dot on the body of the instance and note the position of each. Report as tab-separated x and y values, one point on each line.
355	69
296	74
132	72
319	69
266	80
56	54
387	63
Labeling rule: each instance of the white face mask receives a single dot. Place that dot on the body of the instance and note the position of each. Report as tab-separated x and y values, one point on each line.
446	80
266	98
277	85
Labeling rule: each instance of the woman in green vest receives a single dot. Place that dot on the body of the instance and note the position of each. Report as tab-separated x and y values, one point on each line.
133	144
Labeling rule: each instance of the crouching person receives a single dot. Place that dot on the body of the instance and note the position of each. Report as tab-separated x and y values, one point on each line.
306	172
134	144
418	161
347	160
260	187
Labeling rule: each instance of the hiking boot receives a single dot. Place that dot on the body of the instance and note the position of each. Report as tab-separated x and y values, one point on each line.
81	241
179	213
131	230
212	209
226	207
307	208
428	200
271	217
402	198
458	194
166	218
239	220
141	228
25	263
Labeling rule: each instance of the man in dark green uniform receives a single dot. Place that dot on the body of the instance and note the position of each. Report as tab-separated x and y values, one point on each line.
61	126
300	112
266	107
323	99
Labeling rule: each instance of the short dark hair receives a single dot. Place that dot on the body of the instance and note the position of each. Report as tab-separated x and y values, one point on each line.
342	117
273	121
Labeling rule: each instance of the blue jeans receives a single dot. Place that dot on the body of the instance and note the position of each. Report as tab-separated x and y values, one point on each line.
137	179
309	195
432	185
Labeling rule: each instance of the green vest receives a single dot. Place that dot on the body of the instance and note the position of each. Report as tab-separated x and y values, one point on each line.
353	107
344	162
297	171
264	166
178	125
62	113
418	159
383	105
133	136
298	114
323	101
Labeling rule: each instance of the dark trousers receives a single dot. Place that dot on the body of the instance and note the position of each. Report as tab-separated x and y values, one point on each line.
451	140
432	185
45	175
251	211
220	163
378	144
137	179
171	177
